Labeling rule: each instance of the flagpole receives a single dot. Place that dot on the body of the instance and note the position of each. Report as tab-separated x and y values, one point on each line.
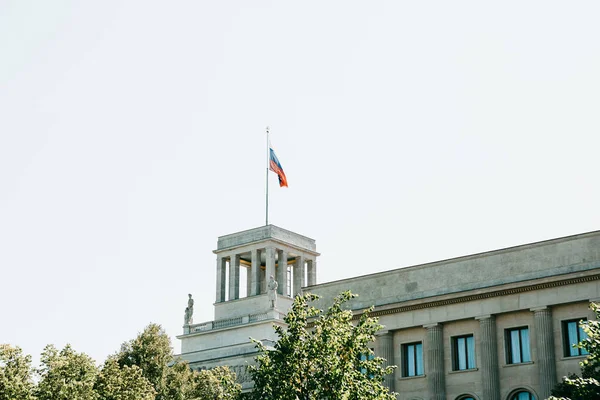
267	181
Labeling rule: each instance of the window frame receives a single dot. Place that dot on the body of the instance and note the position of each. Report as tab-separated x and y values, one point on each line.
515	393
567	348
455	352
508	345
405	359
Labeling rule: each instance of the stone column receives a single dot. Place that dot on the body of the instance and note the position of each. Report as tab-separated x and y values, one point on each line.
254	277
281	272
544	336
311	266
386	350
270	263
489	357
234	277
221	277
298	275
436	385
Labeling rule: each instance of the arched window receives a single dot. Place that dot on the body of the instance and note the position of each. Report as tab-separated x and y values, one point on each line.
465	397
522	395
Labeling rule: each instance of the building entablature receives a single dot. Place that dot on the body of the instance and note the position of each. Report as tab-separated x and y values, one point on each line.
481	272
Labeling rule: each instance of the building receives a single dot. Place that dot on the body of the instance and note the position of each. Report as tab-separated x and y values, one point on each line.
497	325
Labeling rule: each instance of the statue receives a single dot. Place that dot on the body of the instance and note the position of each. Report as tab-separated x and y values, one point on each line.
272	286
189	311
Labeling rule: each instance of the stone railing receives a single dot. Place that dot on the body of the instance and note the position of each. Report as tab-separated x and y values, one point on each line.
229	322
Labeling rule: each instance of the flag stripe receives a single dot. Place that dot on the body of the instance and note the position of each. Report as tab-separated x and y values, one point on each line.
276	167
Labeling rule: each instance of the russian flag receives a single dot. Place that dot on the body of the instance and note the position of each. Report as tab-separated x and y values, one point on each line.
276	167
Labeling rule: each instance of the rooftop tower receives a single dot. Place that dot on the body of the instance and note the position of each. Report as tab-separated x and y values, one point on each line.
243	308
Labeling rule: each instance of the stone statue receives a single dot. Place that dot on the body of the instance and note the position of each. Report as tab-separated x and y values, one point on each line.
272	286
189	311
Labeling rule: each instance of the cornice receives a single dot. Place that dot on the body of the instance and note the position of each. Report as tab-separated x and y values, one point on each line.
479	296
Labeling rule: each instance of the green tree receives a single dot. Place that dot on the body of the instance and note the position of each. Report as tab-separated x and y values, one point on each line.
216	384
331	360
15	374
150	351
586	387
122	383
172	379
66	375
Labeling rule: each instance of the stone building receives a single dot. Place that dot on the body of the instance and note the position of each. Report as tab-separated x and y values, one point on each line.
497	325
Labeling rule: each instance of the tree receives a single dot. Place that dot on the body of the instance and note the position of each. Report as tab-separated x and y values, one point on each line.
122	383
172	379
330	361
66	375
15	374
216	384
586	387
150	351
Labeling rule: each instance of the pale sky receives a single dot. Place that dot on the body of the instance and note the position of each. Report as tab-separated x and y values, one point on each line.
132	135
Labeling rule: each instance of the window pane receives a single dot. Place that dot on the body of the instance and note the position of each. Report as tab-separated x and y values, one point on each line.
525	345
410	353
419	359
582	337
572	338
523	396
471	352
461	350
515	347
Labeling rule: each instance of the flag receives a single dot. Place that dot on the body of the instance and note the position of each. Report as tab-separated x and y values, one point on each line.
275	166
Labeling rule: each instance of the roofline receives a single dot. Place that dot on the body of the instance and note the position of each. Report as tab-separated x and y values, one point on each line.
467	257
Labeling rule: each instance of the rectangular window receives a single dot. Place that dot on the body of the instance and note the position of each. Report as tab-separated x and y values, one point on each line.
517	346
367	357
412	359
573	334
463	352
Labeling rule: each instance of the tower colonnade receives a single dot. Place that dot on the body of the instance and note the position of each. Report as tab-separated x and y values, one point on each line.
292	271
246	260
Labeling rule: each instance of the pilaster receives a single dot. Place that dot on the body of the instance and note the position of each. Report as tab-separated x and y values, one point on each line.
234	277
254	277
298	275
544	335
270	263
436	385
311	266
221	277
281	272
489	357
386	350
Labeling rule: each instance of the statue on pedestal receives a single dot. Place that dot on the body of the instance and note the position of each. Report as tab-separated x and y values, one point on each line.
272	290
189	311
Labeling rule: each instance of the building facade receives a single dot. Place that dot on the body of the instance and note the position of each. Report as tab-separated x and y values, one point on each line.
496	326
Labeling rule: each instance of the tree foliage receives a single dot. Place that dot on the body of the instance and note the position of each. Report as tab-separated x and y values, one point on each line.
122	383
330	361
172	379
144	369
586	387
216	384
15	374
66	375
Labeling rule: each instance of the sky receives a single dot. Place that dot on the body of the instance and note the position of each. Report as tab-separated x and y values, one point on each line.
132	135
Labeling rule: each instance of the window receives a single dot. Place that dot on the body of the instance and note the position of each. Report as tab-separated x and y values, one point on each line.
367	357
573	334
412	359
522	395
465	397
517	346
463	353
